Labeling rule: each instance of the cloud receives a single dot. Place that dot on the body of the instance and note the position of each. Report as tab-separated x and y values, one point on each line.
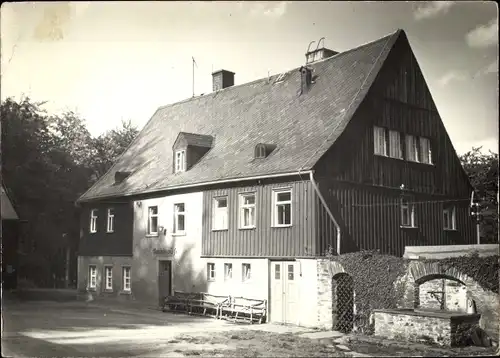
271	10
491	68
432	9
483	35
451	76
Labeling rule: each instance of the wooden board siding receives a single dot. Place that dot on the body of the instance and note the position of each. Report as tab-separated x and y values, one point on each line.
370	219
264	240
102	243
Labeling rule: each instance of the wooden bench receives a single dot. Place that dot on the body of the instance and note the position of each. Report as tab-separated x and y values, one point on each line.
180	301
208	304
244	309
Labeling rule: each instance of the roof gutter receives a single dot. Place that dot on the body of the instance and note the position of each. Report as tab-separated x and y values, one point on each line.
323	202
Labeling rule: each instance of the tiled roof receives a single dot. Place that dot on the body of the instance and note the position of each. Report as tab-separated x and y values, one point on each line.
303	126
196	139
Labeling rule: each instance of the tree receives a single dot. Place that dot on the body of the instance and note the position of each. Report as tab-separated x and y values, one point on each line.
482	170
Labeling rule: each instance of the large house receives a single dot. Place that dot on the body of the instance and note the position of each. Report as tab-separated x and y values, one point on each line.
241	191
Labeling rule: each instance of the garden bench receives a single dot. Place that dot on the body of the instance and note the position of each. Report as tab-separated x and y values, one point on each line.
244	309
207	304
179	301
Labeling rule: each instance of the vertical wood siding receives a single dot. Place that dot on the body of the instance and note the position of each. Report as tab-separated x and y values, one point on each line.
264	240
370	219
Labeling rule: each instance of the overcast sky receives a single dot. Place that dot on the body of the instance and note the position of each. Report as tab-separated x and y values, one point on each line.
118	61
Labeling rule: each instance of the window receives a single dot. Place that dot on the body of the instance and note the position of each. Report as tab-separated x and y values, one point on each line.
179	218
111	220
211	271
92	276
449	219
260	151
108	275
277	272
283	208
247	211
220	214
180	161
126	278
380	140
93	220
153	220
395	150
246	272
228	271
290	273
425	150
412	152
407	213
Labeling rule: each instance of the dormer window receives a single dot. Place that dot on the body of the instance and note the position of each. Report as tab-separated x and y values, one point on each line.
263	150
180	161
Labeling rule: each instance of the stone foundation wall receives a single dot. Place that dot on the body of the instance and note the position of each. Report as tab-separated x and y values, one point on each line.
427	328
324	294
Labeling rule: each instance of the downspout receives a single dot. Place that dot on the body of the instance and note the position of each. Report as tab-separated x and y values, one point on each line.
323	202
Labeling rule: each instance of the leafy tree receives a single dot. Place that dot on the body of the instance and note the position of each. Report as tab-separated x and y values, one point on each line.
482	170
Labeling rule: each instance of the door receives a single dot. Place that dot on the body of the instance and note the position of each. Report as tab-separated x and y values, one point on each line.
284	292
164	279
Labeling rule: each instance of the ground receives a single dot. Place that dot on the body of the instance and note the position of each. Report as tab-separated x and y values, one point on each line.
70	328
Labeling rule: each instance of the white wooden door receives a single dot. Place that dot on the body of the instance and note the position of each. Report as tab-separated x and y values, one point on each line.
284	292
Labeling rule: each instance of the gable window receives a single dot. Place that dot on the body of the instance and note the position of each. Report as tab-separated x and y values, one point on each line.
395	150
407	213
93	220
425	154
412	153
449	218
228	271
92	276
126	278
380	140
210	271
220	214
180	161
246	272
153	220
247	211
111	220
260	151
282	212
179	218
108	275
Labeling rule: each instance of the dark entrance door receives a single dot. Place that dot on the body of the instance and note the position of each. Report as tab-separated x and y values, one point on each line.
164	279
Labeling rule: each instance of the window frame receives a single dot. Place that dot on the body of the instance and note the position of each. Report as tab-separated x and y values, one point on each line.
377	130
246	272
177	214
180	165
106	268
93	221
243	207
406	203
452	219
110	220
228	274
276	203
216	210
94	276
392	146
210	271
260	151
425	158
124	278
150	218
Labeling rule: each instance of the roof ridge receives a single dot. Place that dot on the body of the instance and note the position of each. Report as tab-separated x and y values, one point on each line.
380	39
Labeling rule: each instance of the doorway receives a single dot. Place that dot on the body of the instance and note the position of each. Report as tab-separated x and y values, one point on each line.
284	291
164	279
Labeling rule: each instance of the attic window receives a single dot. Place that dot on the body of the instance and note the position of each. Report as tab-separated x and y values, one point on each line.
180	161
263	150
121	176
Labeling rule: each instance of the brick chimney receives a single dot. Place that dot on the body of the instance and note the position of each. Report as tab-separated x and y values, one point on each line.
222	79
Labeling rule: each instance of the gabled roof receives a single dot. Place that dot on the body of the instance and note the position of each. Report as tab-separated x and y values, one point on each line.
302	126
7	210
197	140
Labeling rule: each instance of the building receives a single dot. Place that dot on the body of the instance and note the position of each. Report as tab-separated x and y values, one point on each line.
10	242
242	191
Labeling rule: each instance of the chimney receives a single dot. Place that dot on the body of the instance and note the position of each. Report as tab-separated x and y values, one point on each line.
222	79
305	79
319	54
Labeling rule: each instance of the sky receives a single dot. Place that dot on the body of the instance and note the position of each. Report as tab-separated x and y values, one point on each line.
114	61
